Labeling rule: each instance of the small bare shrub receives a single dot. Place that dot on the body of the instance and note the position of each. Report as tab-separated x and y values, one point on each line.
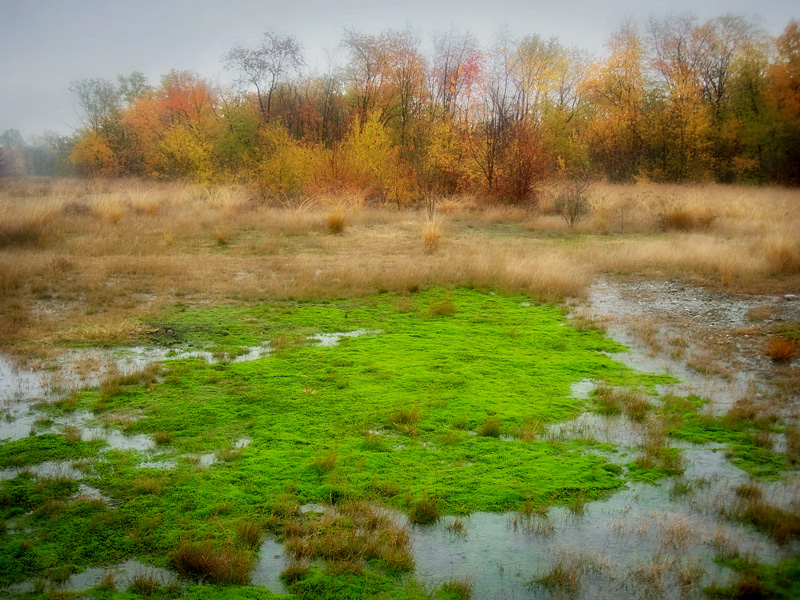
572	200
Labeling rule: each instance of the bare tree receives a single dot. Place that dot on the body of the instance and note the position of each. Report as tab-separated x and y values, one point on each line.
267	66
99	101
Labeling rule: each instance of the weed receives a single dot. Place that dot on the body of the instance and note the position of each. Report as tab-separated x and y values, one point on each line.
680	217
326	463
294	571
72	434
781	349
457	527
162	438
443	308
249	532
781	525
459	588
424	511
148	485
205	560
490	427
145	583
222	236
336	221
108	582
431	237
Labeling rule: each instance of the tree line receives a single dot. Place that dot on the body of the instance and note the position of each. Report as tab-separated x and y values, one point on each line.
678	100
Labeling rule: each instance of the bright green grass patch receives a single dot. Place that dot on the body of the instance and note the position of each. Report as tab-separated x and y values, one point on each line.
391	417
744	439
41	448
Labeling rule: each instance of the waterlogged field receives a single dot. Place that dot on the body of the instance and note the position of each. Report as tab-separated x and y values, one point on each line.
234	402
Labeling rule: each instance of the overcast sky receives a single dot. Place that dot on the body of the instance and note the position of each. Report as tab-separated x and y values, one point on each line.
45	44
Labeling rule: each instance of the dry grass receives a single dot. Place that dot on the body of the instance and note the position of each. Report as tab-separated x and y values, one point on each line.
72	273
781	349
346	538
431	237
208	561
336	221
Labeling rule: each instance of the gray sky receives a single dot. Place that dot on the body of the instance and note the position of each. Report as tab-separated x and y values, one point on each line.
45	44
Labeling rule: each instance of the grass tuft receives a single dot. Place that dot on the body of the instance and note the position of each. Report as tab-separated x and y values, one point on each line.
424	511
781	349
336	221
226	564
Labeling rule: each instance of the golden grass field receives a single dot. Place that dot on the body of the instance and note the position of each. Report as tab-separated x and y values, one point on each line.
82	261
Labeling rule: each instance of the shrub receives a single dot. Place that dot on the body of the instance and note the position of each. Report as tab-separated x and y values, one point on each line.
572	201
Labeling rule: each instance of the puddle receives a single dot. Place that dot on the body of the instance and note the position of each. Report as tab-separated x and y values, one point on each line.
332	339
122	573
267	569
50	468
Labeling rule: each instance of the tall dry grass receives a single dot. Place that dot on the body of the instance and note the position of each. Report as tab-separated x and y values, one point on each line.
88	259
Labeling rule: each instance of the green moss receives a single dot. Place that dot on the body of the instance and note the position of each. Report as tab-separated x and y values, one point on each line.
41	448
491	358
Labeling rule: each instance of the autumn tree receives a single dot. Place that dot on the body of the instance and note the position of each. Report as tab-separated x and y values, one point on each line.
677	45
616	90
784	98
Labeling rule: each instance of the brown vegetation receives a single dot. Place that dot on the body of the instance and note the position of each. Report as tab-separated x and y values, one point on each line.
86	280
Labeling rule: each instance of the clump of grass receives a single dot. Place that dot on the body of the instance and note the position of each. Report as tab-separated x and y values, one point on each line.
528	431
781	349
223	236
326	463
680	217
613	401
445	307
229	453
336	221
460	588
145	583
248	532
431	237
295	571
781	525
162	438
782	251
205	560
457	527
108	582
748	490
490	427
424	511
148	485
72	434
373	441
568	569
347	538
406	419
